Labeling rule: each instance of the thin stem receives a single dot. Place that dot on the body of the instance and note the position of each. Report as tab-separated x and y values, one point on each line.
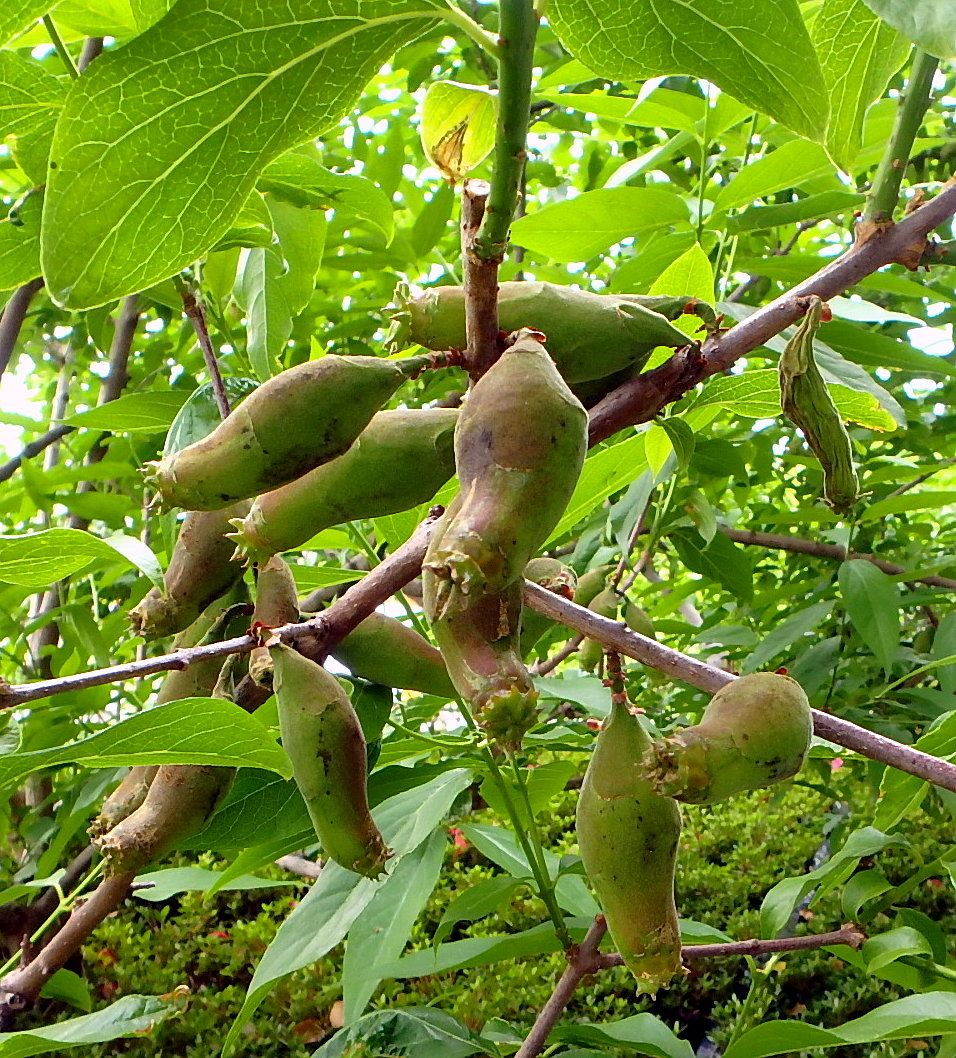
758	980
914	102
518	28
197	317
702	181
11	322
61	48
420	736
471	28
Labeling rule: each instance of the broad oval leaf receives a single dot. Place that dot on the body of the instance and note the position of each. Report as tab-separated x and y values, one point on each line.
723	41
197	141
872	602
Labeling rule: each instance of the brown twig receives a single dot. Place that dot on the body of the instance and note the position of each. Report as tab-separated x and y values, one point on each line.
708	678
582	960
11	322
480	284
551	663
587	959
34	448
644	397
19	989
819	549
197	317
315	637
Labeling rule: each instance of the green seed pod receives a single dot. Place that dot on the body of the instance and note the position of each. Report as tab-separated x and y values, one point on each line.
482	649
754	732
384	650
590	335
553	575
200	571
807	403
298	420
606	603
323	738
628	836
277	604
180	801
400	460
519	448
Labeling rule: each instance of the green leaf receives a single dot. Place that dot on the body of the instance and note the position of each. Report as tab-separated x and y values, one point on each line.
457	126
300	178
785	634
646	1033
325	915
723	41
151	411
65	986
252	226
381	932
858	55
189	731
646	113
780	901
872	601
130	1016
301	232
900	793
133	550
199	415
423	1032
791	165
114	18
17	15
813	207
20	242
36	560
197	141
158	886
606	471
928	1014
30	101
720	560
927	23
896	944
268	316
479	900
579	228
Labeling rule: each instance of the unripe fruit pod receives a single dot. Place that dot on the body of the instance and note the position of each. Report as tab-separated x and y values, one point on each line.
277	604
200	570
590	652
401	459
519	448
324	740
754	732
383	650
628	836
124	800
590	335
181	800
298	420
554	576
481	647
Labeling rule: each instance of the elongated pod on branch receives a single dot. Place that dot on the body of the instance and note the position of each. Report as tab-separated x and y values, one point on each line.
385	651
200	571
754	732
556	577
807	403
519	448
298	420
277	604
590	335
401	459
628	838
323	737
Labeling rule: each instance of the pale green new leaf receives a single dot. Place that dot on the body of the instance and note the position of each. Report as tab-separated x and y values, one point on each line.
18	15
858	54
36	560
114	18
189	731
728	42
160	108
30	102
457	126
579	228
788	166
151	411
931	24
268	316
